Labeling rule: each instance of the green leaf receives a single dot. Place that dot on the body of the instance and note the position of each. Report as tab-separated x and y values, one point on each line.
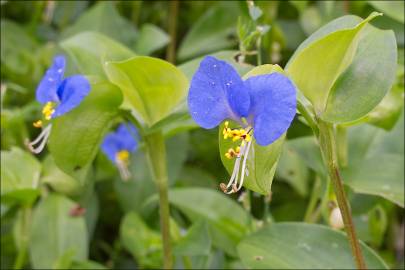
376	159
143	243
89	50
334	53
228	221
103	18
16	49
302	246
151	38
54	232
75	137
393	9
58	180
152	86
367	79
379	169
190	67
387	113
196	242
19	184
211	32
293	170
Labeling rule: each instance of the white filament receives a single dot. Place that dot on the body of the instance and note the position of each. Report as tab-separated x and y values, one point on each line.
244	165
123	170
42	138
233	182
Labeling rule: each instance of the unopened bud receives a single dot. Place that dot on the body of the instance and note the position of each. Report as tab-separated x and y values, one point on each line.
335	219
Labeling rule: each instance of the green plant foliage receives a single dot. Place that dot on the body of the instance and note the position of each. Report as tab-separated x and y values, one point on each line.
289	245
73	143
143	243
52	224
89	50
228	223
69	208
151	38
16	184
211	32
340	47
392	8
196	242
104	18
144	82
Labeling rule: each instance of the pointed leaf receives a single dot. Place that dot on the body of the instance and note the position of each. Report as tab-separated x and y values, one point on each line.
55	232
90	49
152	86
316	68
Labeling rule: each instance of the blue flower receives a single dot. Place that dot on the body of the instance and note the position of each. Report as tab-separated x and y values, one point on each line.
263	106
59	96
118	145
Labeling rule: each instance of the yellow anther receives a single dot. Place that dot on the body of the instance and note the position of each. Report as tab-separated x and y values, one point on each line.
122	156
37	124
232	153
48	110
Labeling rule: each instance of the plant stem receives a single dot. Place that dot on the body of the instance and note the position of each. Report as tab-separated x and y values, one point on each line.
341	141
312	200
24	236
308	117
328	149
171	49
156	151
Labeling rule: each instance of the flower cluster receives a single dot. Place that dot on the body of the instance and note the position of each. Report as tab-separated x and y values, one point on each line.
263	106
59	96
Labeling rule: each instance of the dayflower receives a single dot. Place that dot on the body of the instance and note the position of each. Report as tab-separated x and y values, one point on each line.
58	96
118	145
263	106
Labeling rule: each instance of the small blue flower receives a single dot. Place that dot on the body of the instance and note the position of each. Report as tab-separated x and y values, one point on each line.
59	96
264	107
118	145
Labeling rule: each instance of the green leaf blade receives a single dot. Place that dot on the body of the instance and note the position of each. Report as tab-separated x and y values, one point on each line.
153	87
316	68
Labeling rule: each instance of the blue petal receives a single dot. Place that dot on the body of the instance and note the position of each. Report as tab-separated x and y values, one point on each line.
48	87
216	93
273	106
71	92
127	135
110	146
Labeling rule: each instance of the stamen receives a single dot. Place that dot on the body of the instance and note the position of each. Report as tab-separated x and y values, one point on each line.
123	170
42	139
122	160
37	124
243	134
244	166
48	110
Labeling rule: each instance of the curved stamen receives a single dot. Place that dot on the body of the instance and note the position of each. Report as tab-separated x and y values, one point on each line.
244	165
123	170
42	138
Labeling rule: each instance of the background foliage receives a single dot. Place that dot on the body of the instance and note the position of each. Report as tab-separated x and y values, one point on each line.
120	225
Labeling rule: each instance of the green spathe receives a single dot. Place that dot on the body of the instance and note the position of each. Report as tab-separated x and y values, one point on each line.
316	68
